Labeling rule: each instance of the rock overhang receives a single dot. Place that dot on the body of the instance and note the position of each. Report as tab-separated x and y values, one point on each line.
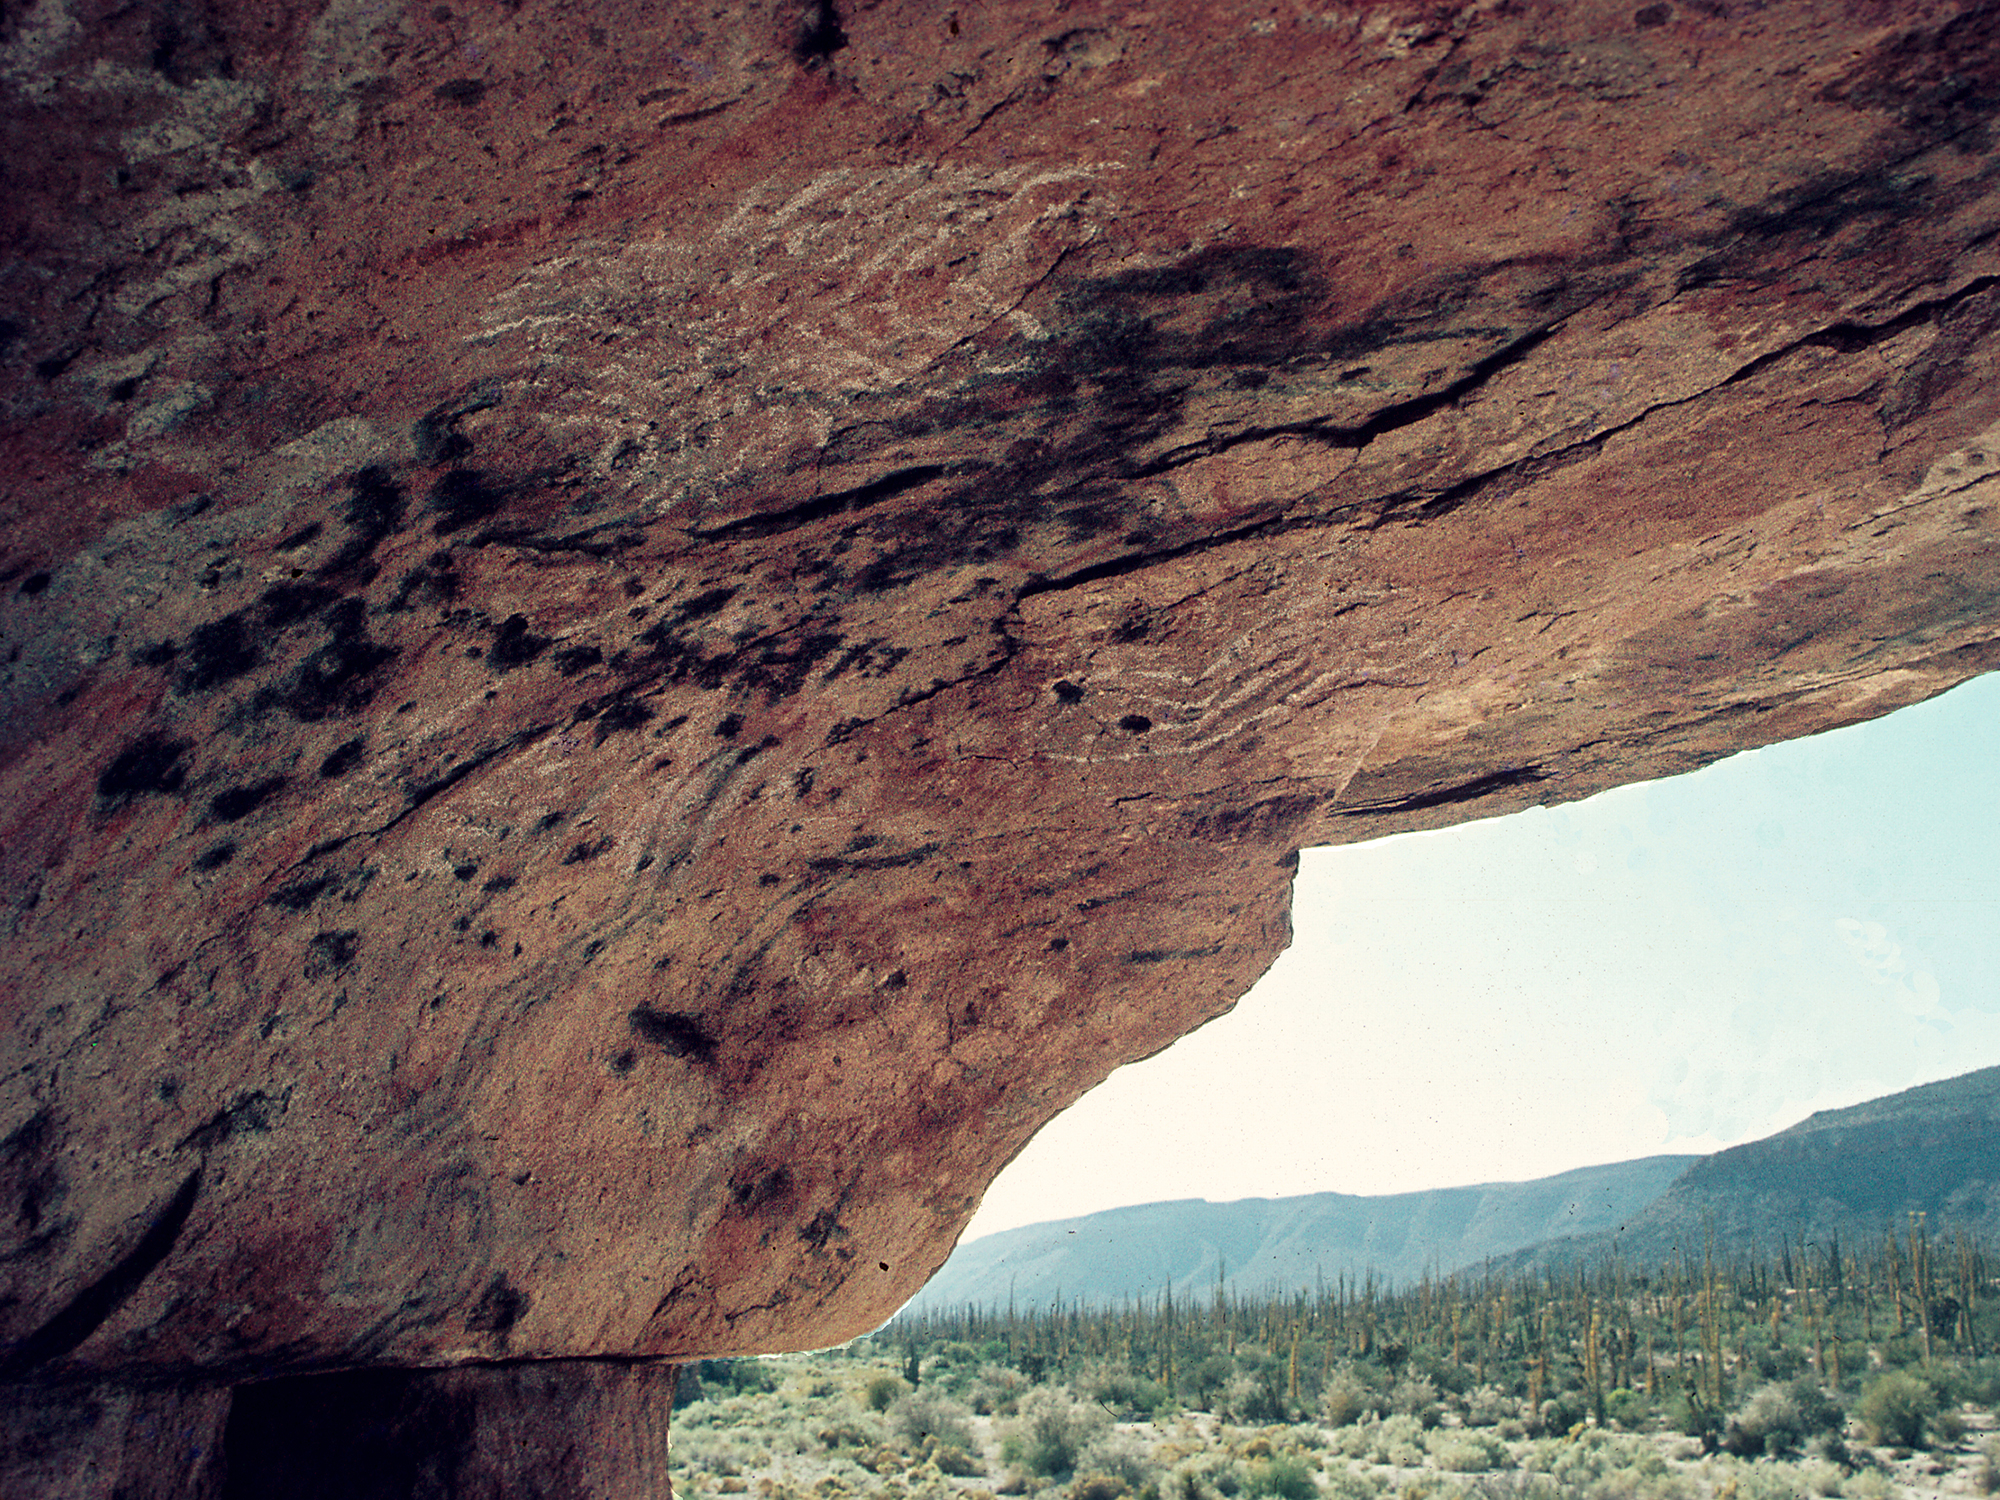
638	640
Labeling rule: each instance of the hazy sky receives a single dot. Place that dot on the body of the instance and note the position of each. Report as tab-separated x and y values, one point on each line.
1676	966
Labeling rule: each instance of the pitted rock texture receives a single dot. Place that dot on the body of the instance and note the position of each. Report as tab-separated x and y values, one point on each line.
637	637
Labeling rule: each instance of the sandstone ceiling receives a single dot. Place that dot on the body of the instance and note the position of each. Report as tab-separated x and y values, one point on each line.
636	636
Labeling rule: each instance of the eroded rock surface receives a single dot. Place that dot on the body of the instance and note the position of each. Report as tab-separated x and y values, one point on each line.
636	637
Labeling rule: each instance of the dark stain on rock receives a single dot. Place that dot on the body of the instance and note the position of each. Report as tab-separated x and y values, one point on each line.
330	952
306	533
462	497
624	1061
431	582
1135	723
760	1188
499	1308
334	681
31	1180
1169	955
215	856
829	863
574	659
297	895
822	1227
86	1312
375	506
149	766
241	801
704	604
342	759
674	1034
729	726
621	716
587	849
515	645
463	92
284	604
1273	817
215	653
820	34
35	583
498	883
1465	791
252	1113
1068	692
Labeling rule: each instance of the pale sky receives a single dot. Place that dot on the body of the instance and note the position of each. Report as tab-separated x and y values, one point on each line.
1672	967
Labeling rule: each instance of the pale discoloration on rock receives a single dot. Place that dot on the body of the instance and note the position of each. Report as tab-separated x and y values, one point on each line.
632	651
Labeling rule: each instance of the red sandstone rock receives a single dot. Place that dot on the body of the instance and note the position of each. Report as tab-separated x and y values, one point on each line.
633	647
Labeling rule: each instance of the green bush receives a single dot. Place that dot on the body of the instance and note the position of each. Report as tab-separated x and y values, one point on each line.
881	1391
1629	1409
1778	1419
1283	1478
1346	1400
1415	1397
1897	1408
1050	1436
929	1414
1469	1451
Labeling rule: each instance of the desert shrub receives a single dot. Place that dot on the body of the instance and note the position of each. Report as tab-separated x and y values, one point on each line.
1385	1440
1252	1400
1205	1474
1346	1400
1121	1456
1415	1397
1131	1396
1695	1418
1987	1479
1896	1409
1778	1419
1488	1406
1629	1409
1772	1481
1870	1484
1345	1482
1207	1378
1978	1381
1562	1413
1468	1451
881	1392
1051	1434
996	1391
1514	1485
951	1459
1600	1465
1282	1478
845	1434
930	1414
1098	1487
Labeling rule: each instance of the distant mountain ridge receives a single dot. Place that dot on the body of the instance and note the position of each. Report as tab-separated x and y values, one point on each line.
1261	1244
1850	1173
